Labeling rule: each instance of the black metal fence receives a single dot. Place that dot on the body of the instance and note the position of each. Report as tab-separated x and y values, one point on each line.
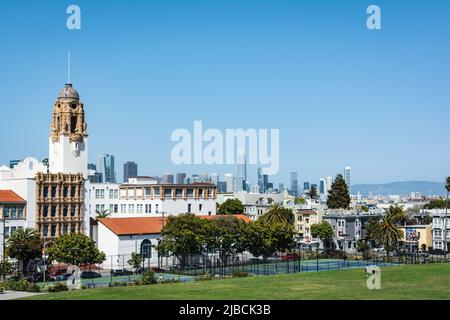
119	271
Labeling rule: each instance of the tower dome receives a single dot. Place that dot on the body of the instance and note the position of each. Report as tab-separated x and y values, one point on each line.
68	92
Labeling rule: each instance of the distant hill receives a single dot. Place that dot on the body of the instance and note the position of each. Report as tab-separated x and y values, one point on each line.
400	188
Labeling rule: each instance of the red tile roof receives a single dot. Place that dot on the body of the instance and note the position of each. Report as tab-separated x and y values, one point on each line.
8	196
146	225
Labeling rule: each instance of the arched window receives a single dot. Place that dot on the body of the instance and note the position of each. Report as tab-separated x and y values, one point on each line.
146	249
73	124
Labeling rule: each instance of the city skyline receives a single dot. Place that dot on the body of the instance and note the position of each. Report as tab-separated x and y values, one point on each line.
334	108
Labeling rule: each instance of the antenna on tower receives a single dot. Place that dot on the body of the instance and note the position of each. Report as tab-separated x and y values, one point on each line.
68	67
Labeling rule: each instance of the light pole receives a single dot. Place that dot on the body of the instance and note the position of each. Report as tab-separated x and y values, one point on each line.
45	265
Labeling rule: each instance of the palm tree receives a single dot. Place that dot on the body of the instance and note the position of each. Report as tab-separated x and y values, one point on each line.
278	214
397	214
102	214
447	187
386	232
24	245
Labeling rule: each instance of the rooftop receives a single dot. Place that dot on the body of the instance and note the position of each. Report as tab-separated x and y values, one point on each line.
9	196
146	225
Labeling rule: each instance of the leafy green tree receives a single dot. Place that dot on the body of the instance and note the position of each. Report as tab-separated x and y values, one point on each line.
24	245
278	214
312	193
182	236
76	249
231	206
387	232
397	214
136	261
324	232
364	209
299	201
264	239
338	197
102	214
227	236
447	187
438	203
5	269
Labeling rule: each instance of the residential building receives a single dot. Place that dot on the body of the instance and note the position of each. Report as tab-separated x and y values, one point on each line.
13	215
441	226
349	227
416	238
303	220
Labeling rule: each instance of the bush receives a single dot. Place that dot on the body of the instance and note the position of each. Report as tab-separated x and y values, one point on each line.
241	275
148	277
205	277
33	288
58	287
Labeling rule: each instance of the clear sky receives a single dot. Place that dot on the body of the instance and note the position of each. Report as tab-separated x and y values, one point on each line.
339	93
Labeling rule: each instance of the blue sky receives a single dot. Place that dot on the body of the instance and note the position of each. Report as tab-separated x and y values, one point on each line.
339	93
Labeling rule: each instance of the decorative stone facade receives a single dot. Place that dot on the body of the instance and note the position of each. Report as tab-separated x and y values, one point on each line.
59	204
68	116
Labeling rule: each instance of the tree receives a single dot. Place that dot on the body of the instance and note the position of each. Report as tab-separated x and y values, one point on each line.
324	232
226	235
387	232
5	269
438	203
264	239
183	235
76	249
447	187
338	197
102	214
397	214
278	214
231	206
24	245
364	209
312	193
135	261
299	200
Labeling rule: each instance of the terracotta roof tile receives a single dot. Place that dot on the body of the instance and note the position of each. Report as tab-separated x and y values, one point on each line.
146	225
8	196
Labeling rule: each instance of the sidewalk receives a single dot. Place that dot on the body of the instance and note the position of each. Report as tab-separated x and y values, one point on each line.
11	295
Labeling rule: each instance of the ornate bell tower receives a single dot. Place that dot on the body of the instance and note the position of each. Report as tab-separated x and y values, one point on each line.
68	142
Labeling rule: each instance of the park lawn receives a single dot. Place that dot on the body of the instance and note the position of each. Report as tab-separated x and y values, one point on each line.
431	281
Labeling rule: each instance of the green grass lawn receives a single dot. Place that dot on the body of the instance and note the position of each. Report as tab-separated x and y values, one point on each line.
430	281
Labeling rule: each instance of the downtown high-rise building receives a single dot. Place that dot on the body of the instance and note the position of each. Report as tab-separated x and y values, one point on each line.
167	178
306	186
347	175
229	179
241	179
130	170
180	178
105	166
260	181
294	184
215	178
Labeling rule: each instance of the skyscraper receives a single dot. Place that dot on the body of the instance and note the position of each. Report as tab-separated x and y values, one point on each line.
167	178
260	181
180	178
241	178
305	186
105	166
347	174
215	178
229	179
130	170
322	186
266	183
294	184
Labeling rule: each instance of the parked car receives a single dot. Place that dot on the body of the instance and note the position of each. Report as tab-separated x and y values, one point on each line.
61	277
121	272
90	275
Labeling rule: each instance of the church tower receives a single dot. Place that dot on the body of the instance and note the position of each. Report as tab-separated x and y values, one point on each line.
68	142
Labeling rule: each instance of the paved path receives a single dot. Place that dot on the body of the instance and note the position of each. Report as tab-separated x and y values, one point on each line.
11	295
